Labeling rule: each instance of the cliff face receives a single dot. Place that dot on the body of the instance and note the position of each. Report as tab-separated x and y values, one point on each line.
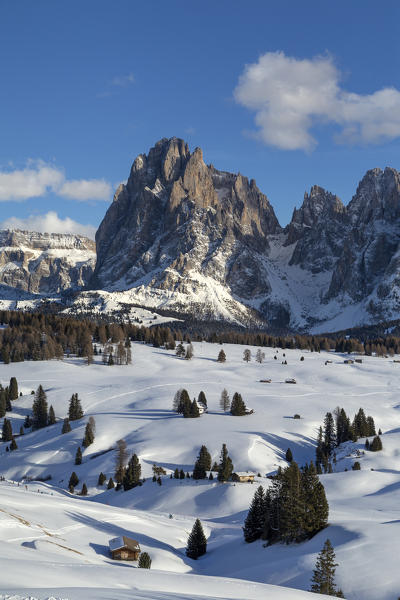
42	263
185	232
184	235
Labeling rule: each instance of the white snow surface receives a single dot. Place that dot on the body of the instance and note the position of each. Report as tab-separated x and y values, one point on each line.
54	544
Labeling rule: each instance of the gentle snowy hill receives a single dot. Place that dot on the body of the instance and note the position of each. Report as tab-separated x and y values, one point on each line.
44	525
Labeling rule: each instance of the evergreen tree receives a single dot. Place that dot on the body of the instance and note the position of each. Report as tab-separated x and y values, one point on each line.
120	460
371	426
197	542
180	350
360	424
102	478
78	456
225	466
189	352
238	407
315	504
89	435
84	490
254	523
110	484
21	430
176	401
221	356
13	389
132	474
27	422
194	410
39	409
224	401
329	434
356	466
13	445
211	476
66	428
52	416
144	561
376	444
202	464
289	455
185	404
176	473
3	404
344	430
7	434
203	400
75	410
323	579
181	474
73	480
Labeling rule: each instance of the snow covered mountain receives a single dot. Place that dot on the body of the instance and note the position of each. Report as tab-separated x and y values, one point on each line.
45	263
183	235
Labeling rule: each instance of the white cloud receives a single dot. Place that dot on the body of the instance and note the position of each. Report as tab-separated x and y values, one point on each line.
86	189
49	223
38	178
289	96
123	80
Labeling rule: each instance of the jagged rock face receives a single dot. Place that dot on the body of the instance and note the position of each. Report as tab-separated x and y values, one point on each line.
42	263
178	224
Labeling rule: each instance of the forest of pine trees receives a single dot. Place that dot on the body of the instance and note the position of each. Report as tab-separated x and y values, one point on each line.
292	509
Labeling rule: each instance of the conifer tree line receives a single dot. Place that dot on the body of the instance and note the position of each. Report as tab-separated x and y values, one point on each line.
337	429
292	509
38	336
190	408
8	394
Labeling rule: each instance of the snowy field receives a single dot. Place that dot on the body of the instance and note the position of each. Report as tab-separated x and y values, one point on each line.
55	544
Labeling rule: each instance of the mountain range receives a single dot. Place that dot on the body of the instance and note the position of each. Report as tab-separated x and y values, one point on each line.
183	236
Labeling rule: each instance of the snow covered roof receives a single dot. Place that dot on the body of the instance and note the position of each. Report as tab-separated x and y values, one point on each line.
121	542
244	474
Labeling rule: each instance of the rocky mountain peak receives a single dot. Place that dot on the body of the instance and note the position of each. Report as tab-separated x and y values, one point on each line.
377	197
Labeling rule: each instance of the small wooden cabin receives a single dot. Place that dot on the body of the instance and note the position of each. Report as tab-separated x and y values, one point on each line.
348	361
124	548
243	477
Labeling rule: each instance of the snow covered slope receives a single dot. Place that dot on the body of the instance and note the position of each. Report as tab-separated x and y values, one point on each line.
45	526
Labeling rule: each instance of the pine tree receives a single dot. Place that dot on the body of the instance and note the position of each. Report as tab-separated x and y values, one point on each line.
78	456
52	416
329	434
224	400
132	474
120	460
371	426
254	523
181	474
144	561
189	352
323	579
66	428
7	434
176	400
84	490
27	422
360	424
13	389
75	410
202	399
102	478
184	403
376	444
3	404
39	409
89	435
225	466
221	356
110	484
176	473
197	541
289	455
194	410
202	464
238	407
73	480
13	445
211	476
180	350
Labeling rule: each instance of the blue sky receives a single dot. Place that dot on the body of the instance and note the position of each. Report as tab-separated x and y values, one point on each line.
88	85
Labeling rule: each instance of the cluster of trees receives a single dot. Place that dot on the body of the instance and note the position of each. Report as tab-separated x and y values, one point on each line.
121	356
180	351
7	394
292	509
260	355
186	407
338	428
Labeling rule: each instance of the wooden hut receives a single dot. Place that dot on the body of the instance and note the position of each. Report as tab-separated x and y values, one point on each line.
124	548
243	477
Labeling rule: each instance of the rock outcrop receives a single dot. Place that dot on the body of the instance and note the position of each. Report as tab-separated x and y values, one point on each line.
44	263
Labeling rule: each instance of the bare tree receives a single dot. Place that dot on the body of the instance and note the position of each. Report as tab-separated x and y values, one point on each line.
224	401
260	356
247	355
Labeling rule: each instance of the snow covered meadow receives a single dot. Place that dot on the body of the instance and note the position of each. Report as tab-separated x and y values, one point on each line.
55	544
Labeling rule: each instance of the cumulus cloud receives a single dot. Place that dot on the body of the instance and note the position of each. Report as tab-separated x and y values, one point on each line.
49	223
38	178
289	96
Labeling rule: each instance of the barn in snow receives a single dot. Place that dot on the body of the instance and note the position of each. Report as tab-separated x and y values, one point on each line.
124	548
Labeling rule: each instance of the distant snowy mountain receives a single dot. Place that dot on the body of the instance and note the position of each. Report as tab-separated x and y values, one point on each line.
183	236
